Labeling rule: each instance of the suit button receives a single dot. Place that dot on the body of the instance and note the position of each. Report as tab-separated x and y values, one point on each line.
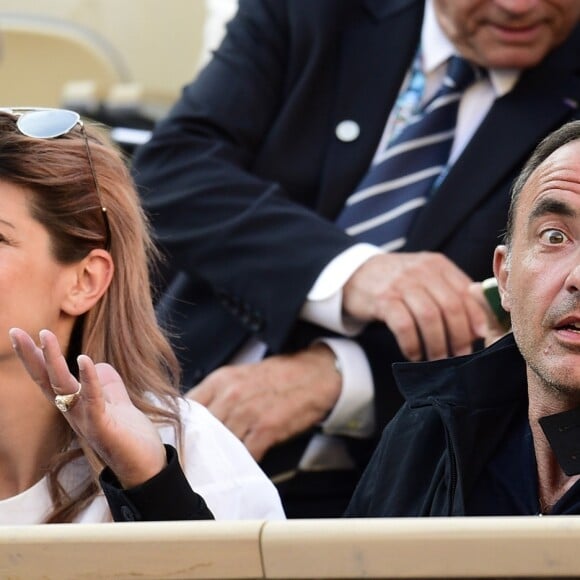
347	131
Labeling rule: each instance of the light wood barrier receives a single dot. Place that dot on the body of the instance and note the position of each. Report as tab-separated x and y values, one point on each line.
522	547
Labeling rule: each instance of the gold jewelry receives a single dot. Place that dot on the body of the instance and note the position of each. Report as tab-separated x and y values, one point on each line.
65	403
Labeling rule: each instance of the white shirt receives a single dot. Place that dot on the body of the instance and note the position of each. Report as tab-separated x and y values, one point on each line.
217	15
215	462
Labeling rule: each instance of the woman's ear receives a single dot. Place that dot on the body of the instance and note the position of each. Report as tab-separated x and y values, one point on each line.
90	279
501	270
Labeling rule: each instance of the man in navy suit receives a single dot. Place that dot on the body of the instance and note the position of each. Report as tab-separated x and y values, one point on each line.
287	326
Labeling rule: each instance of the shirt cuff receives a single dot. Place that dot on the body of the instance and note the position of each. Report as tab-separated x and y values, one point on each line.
353	414
167	496
323	305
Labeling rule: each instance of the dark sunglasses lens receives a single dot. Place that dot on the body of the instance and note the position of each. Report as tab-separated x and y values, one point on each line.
47	124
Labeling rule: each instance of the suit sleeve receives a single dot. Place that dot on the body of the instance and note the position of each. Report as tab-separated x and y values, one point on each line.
217	216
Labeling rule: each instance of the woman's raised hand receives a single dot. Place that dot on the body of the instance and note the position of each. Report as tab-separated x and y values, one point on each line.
97	407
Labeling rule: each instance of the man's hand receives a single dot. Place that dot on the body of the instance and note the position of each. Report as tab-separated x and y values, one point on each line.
270	401
495	329
423	298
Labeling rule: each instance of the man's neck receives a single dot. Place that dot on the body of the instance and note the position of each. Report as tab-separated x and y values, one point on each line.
553	483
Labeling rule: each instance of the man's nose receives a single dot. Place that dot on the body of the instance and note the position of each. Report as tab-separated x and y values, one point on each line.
573	278
518	7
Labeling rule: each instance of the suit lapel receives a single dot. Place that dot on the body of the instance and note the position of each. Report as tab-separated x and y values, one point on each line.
540	103
375	53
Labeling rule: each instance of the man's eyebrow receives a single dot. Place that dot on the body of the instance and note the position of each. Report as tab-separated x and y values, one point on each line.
551	206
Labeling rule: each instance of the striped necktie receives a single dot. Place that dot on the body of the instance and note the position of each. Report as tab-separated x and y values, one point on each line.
398	184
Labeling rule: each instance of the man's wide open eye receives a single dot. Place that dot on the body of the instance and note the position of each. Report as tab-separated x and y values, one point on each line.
553	237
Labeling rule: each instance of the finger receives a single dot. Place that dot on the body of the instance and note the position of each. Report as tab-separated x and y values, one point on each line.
223	388
92	390
109	382
239	420
63	382
476	315
229	402
448	286
454	308
281	423
257	446
263	435
476	293
429	320
494	328
206	390
463	320
230	394
200	394
401	322
32	358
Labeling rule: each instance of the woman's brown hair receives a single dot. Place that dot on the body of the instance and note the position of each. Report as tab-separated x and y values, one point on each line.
121	328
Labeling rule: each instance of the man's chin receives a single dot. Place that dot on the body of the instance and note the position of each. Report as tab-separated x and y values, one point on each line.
562	384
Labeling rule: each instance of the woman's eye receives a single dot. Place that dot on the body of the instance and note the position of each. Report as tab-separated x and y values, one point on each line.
554	237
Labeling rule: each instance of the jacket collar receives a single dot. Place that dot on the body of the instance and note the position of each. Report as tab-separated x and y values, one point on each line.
492	377
476	398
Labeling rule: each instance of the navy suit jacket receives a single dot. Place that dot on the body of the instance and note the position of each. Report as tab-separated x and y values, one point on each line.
245	176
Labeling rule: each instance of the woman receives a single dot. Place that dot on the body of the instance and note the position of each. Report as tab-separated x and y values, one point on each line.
74	256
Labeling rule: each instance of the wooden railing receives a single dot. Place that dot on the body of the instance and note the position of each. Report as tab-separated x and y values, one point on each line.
519	547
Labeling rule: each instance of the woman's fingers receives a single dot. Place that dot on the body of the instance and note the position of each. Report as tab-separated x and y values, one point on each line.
97	406
32	358
62	381
47	366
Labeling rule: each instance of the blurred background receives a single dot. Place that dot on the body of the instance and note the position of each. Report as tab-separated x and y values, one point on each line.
121	61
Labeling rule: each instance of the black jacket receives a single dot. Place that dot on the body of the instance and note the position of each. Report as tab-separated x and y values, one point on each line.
431	454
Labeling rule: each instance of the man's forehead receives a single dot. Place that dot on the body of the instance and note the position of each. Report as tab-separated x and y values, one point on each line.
557	175
553	188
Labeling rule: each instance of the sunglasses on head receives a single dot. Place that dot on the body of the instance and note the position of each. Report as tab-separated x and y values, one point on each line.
53	123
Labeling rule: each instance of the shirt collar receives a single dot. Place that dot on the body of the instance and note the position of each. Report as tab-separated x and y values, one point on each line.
437	49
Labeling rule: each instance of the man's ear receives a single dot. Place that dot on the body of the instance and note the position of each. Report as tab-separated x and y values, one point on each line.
501	270
90	279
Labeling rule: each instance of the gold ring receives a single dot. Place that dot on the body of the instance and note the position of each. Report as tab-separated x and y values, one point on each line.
65	403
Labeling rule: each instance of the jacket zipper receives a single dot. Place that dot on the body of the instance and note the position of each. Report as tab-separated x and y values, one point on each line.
452	461
452	473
